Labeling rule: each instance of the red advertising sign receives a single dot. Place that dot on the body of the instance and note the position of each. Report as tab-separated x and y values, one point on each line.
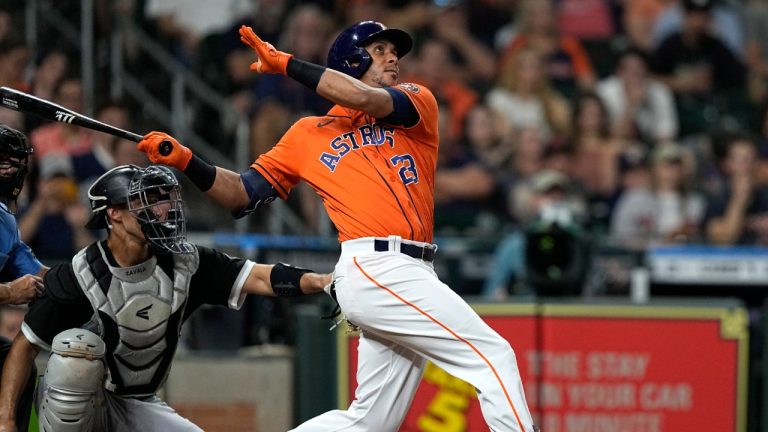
599	369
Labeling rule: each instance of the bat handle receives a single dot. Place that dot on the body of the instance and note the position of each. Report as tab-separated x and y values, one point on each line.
166	147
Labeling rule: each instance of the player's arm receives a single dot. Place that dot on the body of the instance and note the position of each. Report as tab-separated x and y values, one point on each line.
283	280
383	103
15	373
241	193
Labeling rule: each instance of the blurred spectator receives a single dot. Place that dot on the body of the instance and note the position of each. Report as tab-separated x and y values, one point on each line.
306	33
756	17
451	25
488	139
726	22
53	224
639	18
524	98
49	72
462	184
185	22
703	72
596	152
549	197
638	106
567	63
435	69
64	138
739	213
667	212
14	56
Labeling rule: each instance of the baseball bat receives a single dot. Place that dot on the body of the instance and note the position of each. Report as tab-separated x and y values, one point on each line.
26	103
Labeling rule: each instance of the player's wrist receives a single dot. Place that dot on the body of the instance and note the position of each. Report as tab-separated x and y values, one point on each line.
201	173
286	280
305	72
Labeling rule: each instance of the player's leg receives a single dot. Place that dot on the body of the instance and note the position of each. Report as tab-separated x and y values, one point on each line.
404	301
72	382
387	377
149	414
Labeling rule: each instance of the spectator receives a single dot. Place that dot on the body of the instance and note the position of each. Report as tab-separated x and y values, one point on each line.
53	224
451	25
462	183
667	212
14	56
485	135
639	18
705	75
739	213
435	69
567	63
524	98
639	107
596	152
64	139
726	22
185	22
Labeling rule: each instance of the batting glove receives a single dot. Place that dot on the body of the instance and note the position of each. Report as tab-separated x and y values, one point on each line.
269	60
162	148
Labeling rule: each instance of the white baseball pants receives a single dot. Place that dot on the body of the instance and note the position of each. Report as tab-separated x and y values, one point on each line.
406	316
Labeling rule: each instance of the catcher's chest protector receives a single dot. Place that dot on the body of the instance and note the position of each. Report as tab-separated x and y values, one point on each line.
139	311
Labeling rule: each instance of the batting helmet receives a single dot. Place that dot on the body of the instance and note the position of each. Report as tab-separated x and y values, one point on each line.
14	163
348	54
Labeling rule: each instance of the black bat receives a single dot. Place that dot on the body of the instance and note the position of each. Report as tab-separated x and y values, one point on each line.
26	103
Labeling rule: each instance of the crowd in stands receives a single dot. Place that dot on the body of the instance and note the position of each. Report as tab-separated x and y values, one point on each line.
644	120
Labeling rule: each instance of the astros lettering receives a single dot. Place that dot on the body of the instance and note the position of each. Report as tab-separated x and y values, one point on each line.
365	135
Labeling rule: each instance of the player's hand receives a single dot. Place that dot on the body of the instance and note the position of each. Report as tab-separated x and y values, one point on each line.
24	289
269	60
162	148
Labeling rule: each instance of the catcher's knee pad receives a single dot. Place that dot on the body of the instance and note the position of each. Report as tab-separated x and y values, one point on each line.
75	373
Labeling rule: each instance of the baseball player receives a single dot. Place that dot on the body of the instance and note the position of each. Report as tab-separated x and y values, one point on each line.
112	317
372	161
20	271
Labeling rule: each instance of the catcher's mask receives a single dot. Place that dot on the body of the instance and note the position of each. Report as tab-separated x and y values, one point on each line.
152	195
348	54
154	199
14	164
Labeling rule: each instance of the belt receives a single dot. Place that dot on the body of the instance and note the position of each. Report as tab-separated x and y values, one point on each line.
424	253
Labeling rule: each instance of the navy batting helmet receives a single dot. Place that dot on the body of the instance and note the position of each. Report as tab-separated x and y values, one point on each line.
348	54
14	163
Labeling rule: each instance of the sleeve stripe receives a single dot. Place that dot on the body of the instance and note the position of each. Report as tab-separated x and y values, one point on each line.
32	337
265	172
236	295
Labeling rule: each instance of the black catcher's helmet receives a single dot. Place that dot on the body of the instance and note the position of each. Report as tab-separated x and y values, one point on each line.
14	164
152	195
111	189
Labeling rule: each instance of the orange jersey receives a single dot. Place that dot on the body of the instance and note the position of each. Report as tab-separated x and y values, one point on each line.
375	179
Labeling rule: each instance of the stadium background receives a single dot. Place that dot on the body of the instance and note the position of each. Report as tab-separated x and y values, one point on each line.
584	183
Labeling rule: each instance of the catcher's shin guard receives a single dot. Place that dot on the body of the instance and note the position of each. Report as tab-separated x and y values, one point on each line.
74	375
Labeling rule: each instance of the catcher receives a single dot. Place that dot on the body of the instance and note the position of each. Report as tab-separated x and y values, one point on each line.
112	317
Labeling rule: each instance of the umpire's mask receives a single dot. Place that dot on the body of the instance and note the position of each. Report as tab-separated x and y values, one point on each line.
154	198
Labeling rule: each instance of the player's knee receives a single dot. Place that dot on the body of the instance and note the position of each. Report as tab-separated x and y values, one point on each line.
73	376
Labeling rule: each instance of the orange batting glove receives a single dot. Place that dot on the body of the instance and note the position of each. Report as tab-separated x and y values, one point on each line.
162	148
269	60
